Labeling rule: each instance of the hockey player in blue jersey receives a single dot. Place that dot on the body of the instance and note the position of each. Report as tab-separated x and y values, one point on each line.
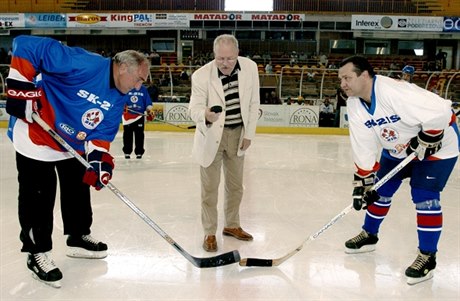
81	95
138	102
396	118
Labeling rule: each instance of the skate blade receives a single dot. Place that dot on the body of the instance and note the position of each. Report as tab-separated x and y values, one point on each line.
363	249
76	252
55	284
412	280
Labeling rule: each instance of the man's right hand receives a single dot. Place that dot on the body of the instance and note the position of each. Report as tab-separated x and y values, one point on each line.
23	99
101	169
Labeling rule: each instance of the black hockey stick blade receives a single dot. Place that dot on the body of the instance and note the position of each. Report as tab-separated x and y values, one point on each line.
216	261
259	262
209	262
256	262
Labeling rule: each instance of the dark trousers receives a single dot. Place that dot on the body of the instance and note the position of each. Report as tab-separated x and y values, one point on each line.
37	194
134	130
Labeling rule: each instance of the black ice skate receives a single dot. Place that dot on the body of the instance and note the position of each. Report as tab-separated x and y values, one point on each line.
361	243
422	268
44	269
85	246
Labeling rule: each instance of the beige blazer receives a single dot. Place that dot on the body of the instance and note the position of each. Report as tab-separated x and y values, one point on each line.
207	91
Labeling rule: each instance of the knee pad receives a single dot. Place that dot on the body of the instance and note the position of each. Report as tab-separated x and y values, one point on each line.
384	199
428	205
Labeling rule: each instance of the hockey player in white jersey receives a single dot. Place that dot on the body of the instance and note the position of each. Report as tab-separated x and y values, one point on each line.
392	118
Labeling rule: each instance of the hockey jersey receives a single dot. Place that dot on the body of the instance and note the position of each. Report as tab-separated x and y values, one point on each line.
398	111
79	100
137	102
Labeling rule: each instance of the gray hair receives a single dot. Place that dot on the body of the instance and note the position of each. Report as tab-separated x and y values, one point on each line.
225	39
131	58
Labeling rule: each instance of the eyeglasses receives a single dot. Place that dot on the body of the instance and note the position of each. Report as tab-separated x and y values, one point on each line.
230	60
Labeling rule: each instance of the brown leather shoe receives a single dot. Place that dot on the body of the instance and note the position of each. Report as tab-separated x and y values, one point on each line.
210	243
238	233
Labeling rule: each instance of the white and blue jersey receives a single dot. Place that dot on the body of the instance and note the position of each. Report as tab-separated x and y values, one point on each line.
398	111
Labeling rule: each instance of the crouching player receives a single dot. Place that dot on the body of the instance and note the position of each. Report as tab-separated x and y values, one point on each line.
396	118
81	96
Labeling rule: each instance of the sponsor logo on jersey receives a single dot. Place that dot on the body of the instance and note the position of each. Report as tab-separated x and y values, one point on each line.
26	94
399	148
67	128
92	118
81	136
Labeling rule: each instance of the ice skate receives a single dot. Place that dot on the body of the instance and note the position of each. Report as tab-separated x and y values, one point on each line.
422	268
44	269
86	246
361	243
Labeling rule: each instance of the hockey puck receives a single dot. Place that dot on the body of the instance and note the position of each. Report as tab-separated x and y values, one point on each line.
216	109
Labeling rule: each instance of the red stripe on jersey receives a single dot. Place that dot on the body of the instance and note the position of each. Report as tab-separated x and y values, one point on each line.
453	119
24	67
102	143
429	220
363	172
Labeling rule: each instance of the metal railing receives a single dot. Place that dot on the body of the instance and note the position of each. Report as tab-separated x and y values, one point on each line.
312	84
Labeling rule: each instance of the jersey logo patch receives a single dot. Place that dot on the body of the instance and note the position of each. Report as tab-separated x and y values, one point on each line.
134	99
92	118
389	134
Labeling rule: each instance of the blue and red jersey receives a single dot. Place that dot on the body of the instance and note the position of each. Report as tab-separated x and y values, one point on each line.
138	101
79	98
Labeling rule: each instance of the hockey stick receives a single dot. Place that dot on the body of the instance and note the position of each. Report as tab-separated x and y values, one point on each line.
259	262
208	262
163	121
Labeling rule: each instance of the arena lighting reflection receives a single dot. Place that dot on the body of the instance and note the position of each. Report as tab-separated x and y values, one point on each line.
244	5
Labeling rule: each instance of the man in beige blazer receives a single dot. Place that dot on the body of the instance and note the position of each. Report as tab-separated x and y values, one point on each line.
229	83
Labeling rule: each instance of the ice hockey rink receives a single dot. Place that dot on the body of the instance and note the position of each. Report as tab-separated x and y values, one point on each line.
294	185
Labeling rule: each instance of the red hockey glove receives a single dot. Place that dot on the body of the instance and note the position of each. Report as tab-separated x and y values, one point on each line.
101	169
150	115
362	195
23	99
425	144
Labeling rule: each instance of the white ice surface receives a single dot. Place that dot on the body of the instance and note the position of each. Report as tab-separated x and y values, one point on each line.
294	184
